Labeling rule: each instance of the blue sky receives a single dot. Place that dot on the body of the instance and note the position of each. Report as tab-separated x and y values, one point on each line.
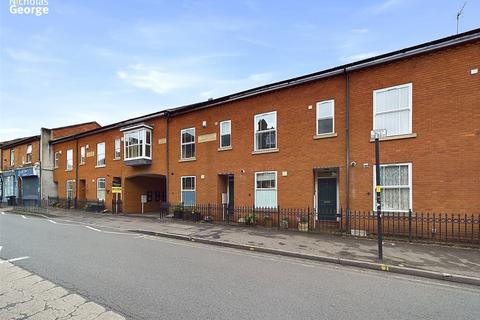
113	60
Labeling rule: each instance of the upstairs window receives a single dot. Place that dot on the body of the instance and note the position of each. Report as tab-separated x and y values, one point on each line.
12	157
188	191
101	190
226	134
137	144
395	187
266	131
28	156
325	117
82	155
69	159
266	189
56	159
392	109
101	154
187	137
117	149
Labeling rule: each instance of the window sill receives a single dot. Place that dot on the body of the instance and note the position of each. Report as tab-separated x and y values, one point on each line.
116	159
101	166
187	160
325	136
68	169
397	137
265	151
81	164
225	148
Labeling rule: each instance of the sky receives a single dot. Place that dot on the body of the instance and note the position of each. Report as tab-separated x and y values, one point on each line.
108	61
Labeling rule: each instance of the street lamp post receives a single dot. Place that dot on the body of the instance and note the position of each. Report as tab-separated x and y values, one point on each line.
376	135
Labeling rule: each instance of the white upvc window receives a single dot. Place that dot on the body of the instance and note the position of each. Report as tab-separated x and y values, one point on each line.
56	159
69	159
187	138
266	189
117	154
395	187
392	109
12	157
188	190
28	156
225	134
137	144
82	155
265	127
101	189
325	117
101	154
69	189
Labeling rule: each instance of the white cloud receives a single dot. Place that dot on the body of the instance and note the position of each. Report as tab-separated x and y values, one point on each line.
384	6
360	30
360	56
25	56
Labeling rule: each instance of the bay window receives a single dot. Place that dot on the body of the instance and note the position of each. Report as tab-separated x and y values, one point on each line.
137	144
265	128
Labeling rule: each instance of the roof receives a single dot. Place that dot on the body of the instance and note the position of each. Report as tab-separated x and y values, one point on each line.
18	141
77	125
345	68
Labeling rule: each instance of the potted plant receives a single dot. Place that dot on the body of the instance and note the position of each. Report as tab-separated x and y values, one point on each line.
251	220
284	223
178	211
196	216
302	223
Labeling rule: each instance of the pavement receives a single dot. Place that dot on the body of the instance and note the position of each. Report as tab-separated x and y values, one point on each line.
454	263
148	277
24	295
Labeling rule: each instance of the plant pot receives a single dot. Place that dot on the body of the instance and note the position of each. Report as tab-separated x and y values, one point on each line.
283	224
178	215
303	226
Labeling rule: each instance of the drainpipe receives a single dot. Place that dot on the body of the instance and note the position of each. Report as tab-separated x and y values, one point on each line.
40	149
76	171
167	176
347	139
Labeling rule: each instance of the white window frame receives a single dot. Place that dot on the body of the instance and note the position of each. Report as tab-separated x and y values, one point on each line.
194	187
276	187
223	134
68	166
69	182
255	131
56	159
12	157
319	104
188	143
99	164
104	189
410	185
410	106
143	131
29	153
117	150
82	155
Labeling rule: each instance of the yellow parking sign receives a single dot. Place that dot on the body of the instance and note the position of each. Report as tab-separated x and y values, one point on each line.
116	189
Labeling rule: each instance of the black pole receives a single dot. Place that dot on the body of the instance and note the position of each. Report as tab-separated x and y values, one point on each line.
379	200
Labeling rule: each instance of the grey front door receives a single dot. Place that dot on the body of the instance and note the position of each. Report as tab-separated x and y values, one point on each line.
327	198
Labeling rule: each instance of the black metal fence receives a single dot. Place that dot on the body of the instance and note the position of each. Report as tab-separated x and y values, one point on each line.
411	226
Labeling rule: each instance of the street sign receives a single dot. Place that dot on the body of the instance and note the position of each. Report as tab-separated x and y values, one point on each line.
378	134
143	198
116	189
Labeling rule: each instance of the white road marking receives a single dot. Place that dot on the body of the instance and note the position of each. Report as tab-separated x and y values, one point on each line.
3	213
1	248
52	221
92	228
14	259
24	217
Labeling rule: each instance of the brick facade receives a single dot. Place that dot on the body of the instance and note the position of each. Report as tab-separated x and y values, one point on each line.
442	148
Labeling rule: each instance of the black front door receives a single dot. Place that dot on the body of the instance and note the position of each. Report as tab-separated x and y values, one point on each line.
327	198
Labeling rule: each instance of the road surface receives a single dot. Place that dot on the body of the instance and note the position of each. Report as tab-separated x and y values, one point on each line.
143	277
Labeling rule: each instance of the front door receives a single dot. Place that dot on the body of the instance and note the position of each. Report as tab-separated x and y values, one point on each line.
230	193
82	192
327	198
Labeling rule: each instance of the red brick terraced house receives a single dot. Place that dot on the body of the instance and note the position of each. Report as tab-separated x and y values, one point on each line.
302	142
26	173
